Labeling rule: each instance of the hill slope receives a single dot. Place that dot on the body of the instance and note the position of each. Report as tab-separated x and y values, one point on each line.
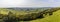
53	18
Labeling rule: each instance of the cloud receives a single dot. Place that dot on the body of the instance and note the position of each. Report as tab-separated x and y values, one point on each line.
29	3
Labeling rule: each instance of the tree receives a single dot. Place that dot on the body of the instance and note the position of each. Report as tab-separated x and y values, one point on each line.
10	18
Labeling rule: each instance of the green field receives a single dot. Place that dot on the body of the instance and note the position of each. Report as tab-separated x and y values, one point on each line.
53	18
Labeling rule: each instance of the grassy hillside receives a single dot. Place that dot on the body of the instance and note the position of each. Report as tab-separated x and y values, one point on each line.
53	18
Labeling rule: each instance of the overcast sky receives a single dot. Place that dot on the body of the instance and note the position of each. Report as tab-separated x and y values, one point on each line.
29	3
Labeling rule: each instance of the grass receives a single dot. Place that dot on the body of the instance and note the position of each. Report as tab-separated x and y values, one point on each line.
53	18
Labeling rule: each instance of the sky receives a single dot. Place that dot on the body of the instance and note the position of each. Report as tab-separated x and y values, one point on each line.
29	3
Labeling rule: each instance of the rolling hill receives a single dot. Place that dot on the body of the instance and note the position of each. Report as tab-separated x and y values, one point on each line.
47	18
